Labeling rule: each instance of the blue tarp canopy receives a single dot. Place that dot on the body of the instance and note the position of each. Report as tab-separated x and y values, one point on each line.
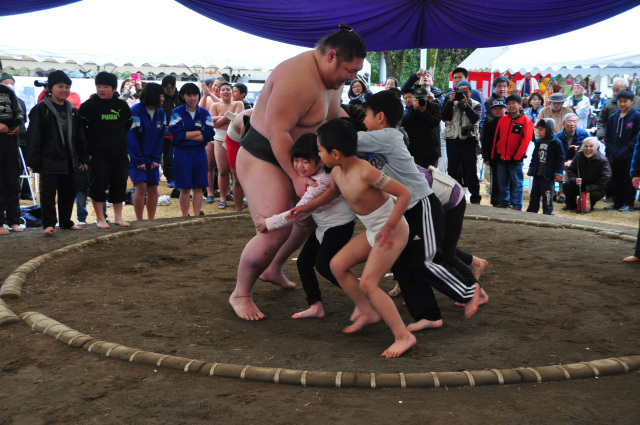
392	24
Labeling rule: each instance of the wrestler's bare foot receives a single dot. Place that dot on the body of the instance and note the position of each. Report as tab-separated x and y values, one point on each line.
3	231
102	224
631	259
48	231
315	310
278	279
484	298
424	324
16	228
478	265
400	346
245	308
361	321
471	307
75	227
395	291
122	223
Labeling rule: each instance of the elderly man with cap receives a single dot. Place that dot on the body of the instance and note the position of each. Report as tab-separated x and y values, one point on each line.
555	110
580	105
461	115
422	124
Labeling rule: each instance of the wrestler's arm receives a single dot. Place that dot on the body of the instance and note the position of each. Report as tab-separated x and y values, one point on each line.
385	183
282	115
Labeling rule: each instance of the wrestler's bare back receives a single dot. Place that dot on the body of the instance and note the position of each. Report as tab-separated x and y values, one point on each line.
295	99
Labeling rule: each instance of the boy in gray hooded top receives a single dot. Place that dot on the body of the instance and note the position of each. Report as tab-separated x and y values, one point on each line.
415	269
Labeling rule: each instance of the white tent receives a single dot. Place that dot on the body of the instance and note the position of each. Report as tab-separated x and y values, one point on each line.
154	32
606	48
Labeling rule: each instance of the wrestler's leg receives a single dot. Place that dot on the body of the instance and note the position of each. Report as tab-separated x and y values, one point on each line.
267	200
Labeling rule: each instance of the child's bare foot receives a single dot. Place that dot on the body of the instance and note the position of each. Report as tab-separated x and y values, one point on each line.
48	231
471	307
244	307
102	224
16	228
400	346
278	279
75	227
3	231
631	259
424	324
484	298
122	223
355	314
395	291
478	265
362	321
315	310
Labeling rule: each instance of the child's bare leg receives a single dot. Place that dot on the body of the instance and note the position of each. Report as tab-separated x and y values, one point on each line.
478	265
138	200
424	324
275	273
16	228
315	310
98	207
197	201
354	252
152	201
238	192
395	291
117	211
184	202
211	167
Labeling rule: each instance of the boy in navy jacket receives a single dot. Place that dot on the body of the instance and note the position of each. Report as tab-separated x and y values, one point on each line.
547	163
620	134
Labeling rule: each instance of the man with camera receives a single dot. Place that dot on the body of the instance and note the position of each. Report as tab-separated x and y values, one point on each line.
461	115
422	124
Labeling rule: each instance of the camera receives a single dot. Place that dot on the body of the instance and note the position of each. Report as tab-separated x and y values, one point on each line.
459	96
467	131
422	102
40	83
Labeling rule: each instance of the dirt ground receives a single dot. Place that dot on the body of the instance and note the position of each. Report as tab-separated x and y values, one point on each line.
556	297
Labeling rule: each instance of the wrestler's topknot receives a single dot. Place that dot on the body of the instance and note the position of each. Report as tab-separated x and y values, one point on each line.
346	42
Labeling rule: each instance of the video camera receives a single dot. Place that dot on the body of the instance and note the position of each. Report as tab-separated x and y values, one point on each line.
40	83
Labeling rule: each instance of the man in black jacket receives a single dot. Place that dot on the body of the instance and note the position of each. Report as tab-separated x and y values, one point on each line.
422	124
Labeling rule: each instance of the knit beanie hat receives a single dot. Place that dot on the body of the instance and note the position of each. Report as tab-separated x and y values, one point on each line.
105	78
6	76
58	77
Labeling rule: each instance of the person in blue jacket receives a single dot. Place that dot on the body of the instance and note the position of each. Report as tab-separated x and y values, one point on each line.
547	164
635	179
145	141
620	135
192	128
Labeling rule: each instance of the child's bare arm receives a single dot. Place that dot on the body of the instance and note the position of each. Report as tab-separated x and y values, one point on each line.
325	197
403	195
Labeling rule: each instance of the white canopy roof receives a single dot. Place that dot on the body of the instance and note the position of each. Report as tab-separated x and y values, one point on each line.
606	48
157	32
